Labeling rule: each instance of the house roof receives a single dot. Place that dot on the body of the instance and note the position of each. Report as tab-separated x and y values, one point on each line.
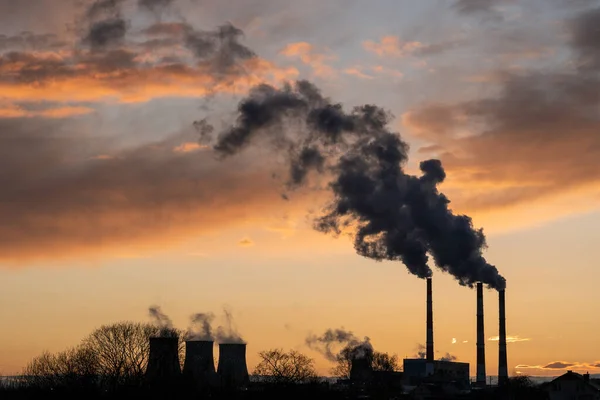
574	376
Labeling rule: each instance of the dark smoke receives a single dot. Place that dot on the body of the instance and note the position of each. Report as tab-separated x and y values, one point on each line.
105	27
201	327
448	357
228	332
394	216
353	347
162	322
421	352
220	50
155	5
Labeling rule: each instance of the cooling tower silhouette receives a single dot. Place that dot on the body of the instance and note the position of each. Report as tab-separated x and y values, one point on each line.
232	369
199	365
163	361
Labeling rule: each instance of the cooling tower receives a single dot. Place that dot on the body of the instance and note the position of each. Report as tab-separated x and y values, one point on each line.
199	365
163	361
480	338
232	369
429	343
502	359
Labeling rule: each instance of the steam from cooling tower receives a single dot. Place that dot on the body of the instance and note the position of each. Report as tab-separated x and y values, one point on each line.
200	327
228	333
162	322
353	347
394	216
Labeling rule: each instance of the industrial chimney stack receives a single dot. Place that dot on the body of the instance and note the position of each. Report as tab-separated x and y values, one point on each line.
163	362
199	365
481	376
502	359
429	343
232	368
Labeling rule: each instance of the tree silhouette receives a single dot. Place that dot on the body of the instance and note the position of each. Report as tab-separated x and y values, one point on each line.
74	368
122	350
280	367
381	362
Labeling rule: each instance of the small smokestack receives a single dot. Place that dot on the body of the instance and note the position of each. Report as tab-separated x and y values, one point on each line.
502	359
481	376
361	369
199	365
429	354
163	361
232	369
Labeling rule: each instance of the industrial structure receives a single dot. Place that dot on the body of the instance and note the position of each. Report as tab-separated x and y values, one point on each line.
232	369
199	365
163	361
481	375
429	370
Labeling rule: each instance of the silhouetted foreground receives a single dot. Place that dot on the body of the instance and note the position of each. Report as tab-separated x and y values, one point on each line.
87	388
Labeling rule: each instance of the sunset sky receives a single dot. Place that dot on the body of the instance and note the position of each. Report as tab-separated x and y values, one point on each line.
110	203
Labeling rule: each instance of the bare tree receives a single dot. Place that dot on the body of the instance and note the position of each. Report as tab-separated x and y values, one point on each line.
385	362
281	367
381	362
72	368
122	350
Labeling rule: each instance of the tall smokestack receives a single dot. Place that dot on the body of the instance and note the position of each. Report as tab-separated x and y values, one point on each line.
199	365
429	343
480	338
502	359
163	361
232	368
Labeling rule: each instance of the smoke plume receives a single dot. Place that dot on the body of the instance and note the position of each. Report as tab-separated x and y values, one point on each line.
448	357
162	322
201	327
327	343
105	25
393	215
228	332
421	351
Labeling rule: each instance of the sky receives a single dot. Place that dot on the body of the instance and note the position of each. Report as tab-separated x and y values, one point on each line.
113	200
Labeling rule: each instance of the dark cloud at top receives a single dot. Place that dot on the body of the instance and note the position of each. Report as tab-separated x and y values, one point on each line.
537	135
105	25
586	38
155	5
478	6
394	216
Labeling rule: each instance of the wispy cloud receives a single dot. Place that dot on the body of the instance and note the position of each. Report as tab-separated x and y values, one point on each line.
246	242
317	59
510	339
391	46
554	366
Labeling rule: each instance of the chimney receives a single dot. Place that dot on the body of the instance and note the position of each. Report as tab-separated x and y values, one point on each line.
502	360
481	377
163	361
232	369
361	369
429	343
199	365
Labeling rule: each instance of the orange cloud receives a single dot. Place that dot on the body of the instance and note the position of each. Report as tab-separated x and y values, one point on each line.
189	147
14	111
309	56
391	46
130	85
